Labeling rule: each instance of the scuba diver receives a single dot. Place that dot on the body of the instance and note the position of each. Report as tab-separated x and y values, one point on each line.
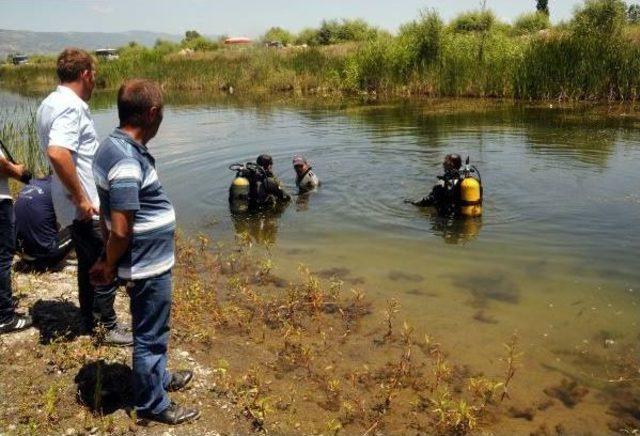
255	186
306	179
458	192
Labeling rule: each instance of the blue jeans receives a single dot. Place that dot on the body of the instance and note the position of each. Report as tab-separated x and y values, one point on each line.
7	246
150	314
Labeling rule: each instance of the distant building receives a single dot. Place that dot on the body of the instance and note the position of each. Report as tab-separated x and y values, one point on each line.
239	40
20	59
107	54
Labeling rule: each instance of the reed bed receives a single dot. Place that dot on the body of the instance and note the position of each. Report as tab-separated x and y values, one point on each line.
18	133
594	56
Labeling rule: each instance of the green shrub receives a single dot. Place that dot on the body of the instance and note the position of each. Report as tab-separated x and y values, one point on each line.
474	21
338	31
600	18
278	34
531	23
420	42
307	36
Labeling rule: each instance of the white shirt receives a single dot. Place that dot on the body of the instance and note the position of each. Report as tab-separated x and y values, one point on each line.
63	120
4	184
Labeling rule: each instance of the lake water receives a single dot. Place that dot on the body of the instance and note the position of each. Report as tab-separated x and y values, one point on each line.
553	257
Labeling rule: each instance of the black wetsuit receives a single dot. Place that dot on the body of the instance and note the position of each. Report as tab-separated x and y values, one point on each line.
266	190
445	195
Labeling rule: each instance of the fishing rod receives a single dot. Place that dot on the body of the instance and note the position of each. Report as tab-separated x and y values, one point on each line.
27	175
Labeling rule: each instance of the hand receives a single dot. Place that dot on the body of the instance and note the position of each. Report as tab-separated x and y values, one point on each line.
87	210
102	274
26	177
19	170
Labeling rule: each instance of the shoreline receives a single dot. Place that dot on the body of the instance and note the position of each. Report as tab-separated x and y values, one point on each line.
308	356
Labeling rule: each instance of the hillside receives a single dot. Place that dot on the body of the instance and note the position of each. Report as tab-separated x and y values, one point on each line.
12	41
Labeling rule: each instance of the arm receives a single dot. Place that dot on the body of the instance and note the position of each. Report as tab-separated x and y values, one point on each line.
15	171
119	237
118	240
62	162
274	187
125	179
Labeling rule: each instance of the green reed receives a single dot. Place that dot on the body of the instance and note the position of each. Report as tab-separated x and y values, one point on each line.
592	57
19	134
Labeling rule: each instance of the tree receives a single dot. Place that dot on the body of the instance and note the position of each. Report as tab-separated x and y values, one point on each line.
543	6
278	34
603	20
191	34
633	14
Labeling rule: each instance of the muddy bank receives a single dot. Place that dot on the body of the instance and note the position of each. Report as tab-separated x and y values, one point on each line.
310	356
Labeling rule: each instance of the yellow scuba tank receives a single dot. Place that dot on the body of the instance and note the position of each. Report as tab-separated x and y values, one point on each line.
471	196
239	189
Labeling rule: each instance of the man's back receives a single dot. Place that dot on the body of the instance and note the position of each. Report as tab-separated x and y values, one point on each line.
64	120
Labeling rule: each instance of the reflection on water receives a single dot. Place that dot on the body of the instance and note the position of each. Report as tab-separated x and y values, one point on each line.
452	229
261	225
553	256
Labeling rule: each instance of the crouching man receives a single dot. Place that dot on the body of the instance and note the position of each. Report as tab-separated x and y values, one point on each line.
139	223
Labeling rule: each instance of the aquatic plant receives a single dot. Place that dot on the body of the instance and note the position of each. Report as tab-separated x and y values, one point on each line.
18	133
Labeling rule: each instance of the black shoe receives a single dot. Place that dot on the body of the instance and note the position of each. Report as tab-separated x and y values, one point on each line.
118	337
17	323
172	415
179	380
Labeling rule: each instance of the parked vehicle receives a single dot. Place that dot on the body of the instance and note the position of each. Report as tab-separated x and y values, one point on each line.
107	54
20	59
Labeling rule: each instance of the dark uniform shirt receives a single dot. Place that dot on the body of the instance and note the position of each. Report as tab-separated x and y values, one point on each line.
266	190
36	224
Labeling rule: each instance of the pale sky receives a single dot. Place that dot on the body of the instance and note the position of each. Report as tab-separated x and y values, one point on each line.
237	17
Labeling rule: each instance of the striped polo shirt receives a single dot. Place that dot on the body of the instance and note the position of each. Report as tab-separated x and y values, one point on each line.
126	179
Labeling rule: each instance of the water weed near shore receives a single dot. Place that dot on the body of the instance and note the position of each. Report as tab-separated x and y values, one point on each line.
308	356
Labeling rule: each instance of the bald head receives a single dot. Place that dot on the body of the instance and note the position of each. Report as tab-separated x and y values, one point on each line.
137	100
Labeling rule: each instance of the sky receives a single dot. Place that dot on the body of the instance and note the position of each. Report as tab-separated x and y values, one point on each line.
237	17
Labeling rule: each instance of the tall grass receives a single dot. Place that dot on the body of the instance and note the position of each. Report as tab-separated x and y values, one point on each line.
18	132
592	57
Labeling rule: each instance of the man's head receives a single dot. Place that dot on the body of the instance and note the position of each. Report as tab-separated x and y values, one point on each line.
300	164
452	162
265	161
140	107
76	69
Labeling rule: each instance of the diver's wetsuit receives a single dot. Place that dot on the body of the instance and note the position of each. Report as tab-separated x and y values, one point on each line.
266	190
445	195
307	181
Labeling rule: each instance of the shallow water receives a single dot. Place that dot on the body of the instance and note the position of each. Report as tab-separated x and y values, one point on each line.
554	255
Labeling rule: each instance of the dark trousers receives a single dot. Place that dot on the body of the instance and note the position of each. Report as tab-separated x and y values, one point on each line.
44	261
150	313
96	302
7	247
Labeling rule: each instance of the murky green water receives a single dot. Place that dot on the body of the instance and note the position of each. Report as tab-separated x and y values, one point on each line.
554	256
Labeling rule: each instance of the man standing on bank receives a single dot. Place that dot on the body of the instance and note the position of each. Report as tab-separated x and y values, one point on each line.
68	138
10	321
140	246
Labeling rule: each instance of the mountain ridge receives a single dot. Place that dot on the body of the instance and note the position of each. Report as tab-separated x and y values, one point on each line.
38	43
